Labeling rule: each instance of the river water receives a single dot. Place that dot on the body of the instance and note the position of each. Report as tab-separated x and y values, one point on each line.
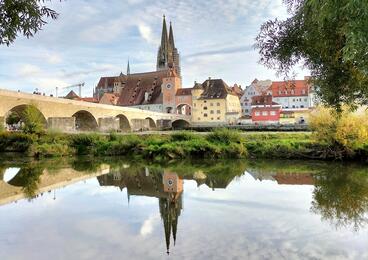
128	209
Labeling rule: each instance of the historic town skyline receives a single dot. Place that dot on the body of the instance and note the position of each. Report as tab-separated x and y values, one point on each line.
88	41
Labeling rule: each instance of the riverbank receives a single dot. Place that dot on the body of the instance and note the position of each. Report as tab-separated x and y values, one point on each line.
222	143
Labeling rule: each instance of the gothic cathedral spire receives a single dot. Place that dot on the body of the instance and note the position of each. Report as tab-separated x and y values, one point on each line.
128	68
168	55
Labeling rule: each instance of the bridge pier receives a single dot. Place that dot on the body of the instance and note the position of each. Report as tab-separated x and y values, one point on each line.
108	124
64	124
163	124
140	124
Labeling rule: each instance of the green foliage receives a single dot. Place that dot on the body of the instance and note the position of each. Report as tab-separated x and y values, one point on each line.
183	136
15	142
51	150
25	17
33	120
346	132
13	119
330	38
85	143
225	136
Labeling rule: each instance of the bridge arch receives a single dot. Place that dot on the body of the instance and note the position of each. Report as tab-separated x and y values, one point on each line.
152	123
85	121
180	124
184	109
124	124
16	115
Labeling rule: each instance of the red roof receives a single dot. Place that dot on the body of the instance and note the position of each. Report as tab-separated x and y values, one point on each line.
263	100
184	92
290	88
89	99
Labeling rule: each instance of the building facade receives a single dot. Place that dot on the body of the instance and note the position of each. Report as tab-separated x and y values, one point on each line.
264	110
256	88
214	103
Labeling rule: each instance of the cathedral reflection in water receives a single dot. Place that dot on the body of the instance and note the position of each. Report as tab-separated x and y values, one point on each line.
166	186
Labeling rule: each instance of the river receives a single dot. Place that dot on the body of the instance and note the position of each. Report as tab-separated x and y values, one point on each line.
120	208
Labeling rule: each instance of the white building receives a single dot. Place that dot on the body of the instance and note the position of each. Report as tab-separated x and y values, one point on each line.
256	88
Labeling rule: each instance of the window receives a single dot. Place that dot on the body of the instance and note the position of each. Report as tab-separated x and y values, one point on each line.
257	113
205	115
273	113
195	104
211	118
301	106
264	113
218	111
211	104
205	101
305	99
205	108
303	91
218	104
199	119
218	118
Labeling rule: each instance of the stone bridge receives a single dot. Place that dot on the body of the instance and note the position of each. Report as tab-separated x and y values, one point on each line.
69	115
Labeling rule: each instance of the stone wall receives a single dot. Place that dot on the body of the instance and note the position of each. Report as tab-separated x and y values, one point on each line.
65	124
108	124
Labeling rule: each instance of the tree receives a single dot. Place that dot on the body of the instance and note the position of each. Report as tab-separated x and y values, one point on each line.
26	17
13	119
34	122
330	38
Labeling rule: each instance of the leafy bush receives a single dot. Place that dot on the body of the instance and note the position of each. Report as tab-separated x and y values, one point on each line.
51	150
34	122
225	136
15	142
183	136
347	131
85	143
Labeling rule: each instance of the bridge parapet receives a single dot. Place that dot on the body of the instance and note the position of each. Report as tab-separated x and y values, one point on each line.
71	115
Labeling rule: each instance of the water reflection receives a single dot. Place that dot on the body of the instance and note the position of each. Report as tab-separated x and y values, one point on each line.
339	195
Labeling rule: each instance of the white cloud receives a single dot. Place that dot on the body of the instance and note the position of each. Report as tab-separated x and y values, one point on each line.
148	225
146	33
29	70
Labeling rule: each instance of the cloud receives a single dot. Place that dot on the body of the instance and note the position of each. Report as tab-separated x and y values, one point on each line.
222	51
148	225
146	33
29	70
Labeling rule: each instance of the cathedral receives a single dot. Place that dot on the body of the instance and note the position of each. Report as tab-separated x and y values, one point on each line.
155	90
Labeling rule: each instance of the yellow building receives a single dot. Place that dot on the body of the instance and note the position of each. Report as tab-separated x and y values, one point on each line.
214	103
295	116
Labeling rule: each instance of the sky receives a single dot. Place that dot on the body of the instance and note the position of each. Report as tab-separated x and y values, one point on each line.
91	39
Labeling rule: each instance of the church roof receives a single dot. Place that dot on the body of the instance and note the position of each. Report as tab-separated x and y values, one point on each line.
136	85
107	81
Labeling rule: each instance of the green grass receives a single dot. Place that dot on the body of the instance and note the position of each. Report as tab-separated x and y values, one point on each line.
221	143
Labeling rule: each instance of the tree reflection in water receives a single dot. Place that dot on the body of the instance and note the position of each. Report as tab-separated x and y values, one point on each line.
28	178
341	196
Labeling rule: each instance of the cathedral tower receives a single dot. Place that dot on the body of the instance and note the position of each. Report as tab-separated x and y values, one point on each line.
168	55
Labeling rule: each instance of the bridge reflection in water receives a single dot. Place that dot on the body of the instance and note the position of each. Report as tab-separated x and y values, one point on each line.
332	194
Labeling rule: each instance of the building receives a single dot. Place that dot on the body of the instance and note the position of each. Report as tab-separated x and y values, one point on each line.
264	110
293	94
256	88
109	99
155	90
73	96
214	103
183	100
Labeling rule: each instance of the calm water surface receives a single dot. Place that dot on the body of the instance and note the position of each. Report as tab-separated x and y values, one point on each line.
125	209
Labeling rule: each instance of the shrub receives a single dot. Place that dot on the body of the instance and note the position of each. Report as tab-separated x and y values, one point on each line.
33	120
15	142
51	150
85	143
225	136
347	131
183	136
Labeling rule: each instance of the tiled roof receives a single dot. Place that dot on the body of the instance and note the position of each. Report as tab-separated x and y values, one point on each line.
89	99
72	95
263	100
184	92
215	89
136	85
107	81
290	88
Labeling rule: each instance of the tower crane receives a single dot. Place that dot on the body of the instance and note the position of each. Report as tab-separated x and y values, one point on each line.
80	85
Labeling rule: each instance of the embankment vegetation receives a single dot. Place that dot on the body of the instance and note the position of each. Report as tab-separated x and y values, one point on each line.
341	136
